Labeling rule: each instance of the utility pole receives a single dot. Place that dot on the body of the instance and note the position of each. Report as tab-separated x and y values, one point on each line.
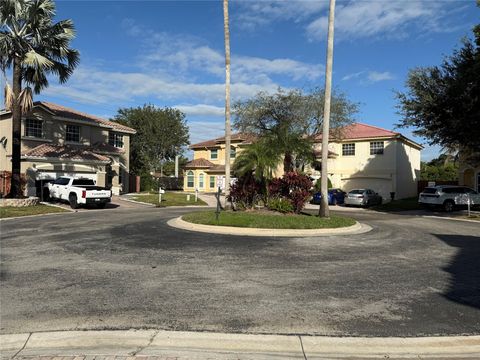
227	100
176	165
324	210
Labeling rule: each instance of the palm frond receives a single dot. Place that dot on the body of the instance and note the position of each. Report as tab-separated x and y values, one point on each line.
8	93
36	60
26	100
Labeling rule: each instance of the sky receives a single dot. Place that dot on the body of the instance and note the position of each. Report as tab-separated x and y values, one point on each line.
171	53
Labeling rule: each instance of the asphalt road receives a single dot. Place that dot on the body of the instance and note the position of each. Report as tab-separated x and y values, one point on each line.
126	269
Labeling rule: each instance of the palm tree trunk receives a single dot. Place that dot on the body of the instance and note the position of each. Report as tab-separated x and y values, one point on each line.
227	99
324	211
287	162
16	187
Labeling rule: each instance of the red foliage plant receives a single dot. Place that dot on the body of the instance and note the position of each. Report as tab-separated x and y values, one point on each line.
293	187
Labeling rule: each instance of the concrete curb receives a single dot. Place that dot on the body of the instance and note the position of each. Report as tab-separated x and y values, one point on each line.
449	218
179	223
202	345
136	202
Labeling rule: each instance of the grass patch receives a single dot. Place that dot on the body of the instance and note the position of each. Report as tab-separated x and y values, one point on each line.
254	219
399	205
10	211
168	199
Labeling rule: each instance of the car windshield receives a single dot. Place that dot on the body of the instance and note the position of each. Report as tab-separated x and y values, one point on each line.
357	192
429	190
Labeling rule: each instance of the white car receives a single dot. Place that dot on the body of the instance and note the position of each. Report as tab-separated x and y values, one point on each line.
449	197
79	192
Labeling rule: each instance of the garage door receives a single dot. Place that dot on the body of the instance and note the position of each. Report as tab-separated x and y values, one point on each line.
52	175
379	185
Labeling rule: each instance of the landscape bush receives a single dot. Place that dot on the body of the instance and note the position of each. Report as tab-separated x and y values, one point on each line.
245	192
292	187
280	204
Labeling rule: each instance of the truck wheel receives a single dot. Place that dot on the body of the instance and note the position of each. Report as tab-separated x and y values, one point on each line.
448	205
72	199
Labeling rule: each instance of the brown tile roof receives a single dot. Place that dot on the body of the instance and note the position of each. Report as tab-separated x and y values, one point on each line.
64	153
66	112
201	162
361	131
242	137
104	148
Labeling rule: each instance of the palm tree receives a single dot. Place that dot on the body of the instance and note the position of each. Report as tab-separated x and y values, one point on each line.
33	46
258	158
226	31
323	210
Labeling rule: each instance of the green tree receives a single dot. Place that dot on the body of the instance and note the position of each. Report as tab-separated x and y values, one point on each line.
161	134
33	46
443	102
442	168
287	120
258	159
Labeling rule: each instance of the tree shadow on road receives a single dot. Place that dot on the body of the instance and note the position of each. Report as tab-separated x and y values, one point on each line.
464	269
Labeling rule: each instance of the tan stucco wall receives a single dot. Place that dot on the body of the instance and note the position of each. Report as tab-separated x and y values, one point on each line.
54	132
206	186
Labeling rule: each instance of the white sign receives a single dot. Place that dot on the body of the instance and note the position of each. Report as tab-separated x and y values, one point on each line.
431	183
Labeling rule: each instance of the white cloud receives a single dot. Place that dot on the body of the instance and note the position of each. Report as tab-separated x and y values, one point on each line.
369	77
353	19
204	130
201	109
375	76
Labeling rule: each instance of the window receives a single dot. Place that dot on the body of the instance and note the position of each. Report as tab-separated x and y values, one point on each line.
190	179
73	133
62	181
233	152
348	149
376	148
213	154
115	139
34	128
201	181
83	182
212	182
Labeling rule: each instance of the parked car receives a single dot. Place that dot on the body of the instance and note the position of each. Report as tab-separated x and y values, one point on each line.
363	197
335	197
448	197
79	192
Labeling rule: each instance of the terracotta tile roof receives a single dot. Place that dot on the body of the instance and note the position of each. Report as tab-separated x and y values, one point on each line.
201	162
64	153
66	112
361	131
243	138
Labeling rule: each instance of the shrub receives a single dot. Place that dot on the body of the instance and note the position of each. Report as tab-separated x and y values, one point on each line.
245	192
318	184
292	187
280	204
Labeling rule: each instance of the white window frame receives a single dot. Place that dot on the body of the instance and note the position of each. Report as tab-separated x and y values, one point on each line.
348	149
210	181
377	147
67	133
201	181
29	129
233	152
115	139
191	174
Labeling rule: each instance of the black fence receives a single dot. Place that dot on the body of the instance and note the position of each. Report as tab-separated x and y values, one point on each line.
170	183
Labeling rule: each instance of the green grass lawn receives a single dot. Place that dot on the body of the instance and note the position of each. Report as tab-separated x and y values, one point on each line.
10	211
399	205
169	199
252	219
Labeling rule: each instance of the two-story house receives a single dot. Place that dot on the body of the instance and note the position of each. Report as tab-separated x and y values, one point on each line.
59	141
364	157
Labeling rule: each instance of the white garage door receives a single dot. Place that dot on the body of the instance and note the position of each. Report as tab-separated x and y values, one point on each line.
379	185
52	175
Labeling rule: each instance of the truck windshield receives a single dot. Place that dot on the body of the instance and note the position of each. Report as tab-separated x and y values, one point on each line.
83	182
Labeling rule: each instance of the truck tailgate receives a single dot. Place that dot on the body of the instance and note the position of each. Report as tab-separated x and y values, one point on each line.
98	194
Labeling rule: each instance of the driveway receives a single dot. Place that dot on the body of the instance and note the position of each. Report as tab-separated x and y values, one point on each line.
116	203
127	269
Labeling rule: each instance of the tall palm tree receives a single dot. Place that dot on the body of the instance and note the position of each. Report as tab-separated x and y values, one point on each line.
323	210
34	47
226	30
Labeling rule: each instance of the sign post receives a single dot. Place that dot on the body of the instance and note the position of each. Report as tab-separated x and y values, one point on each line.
160	192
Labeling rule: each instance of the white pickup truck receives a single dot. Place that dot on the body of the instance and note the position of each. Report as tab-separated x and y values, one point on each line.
79	192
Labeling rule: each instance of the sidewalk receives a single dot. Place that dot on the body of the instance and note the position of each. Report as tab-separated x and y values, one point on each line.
162	345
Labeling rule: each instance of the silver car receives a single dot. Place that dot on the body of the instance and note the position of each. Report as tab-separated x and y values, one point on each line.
363	197
449	197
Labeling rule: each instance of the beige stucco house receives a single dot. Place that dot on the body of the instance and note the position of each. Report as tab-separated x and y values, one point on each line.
469	170
365	157
59	141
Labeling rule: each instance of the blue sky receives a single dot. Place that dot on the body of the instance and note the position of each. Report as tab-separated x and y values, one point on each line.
171	53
